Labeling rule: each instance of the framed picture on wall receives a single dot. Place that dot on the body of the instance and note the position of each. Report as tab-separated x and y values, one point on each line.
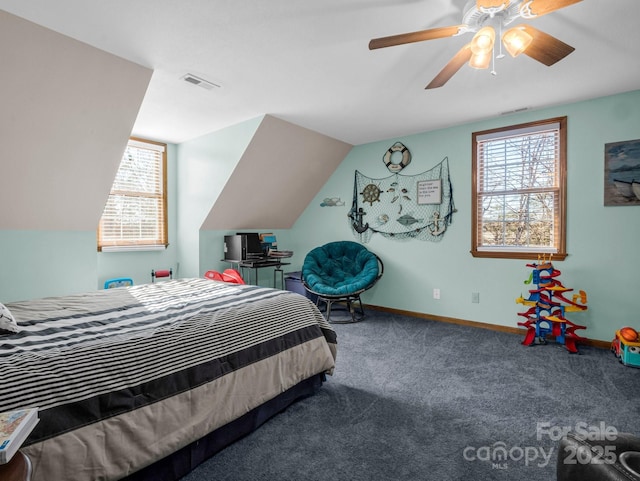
430	191
622	173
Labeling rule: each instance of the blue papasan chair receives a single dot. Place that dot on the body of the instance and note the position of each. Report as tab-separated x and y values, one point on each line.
339	272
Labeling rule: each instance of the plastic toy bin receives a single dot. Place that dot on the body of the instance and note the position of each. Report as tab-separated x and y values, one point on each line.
293	283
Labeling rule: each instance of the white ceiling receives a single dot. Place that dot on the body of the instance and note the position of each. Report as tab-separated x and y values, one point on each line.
308	62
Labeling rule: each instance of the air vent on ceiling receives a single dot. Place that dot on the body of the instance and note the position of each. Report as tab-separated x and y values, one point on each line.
200	82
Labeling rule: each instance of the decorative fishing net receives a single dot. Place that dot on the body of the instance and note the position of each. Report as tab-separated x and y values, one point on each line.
403	206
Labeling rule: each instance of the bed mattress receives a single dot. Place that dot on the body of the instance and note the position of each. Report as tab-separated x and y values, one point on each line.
125	377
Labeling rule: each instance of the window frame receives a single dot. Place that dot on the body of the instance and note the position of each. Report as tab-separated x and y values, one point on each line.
138	245
560	211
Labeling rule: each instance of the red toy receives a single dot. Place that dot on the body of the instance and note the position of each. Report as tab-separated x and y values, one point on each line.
231	276
547	307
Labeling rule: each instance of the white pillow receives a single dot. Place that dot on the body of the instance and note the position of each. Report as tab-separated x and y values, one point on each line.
7	322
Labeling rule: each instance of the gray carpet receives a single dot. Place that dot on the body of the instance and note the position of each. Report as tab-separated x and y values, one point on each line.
413	399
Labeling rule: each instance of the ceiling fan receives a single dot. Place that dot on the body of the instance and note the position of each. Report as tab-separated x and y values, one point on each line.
485	17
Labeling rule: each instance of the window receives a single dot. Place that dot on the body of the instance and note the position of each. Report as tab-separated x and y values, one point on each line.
135	216
519	191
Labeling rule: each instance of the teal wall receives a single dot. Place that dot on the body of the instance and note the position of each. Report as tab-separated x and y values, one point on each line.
212	253
46	263
602	242
53	263
204	166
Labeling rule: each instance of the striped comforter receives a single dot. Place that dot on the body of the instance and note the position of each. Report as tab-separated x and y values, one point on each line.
124	377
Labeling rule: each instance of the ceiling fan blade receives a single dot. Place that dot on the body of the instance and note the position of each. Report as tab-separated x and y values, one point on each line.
536	8
411	37
449	70
545	48
491	3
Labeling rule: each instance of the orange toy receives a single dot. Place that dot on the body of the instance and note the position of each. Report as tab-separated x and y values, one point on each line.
629	334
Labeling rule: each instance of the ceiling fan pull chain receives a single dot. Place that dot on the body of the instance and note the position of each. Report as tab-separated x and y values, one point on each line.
493	63
500	55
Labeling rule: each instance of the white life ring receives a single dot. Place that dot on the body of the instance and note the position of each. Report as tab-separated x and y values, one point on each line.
406	157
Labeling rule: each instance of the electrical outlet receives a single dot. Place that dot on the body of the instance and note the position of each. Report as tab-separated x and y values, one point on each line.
436	293
475	297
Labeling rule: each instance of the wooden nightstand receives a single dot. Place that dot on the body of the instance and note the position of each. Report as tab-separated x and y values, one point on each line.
18	469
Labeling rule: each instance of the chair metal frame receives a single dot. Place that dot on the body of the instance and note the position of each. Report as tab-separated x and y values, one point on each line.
357	312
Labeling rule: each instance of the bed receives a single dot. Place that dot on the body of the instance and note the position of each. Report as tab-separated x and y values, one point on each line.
145	382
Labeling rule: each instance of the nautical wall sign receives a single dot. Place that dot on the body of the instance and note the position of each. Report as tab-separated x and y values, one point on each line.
388	160
429	191
402	206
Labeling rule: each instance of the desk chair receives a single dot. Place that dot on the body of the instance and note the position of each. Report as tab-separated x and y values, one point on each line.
161	274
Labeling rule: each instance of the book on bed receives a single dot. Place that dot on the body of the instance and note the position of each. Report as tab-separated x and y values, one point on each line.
15	426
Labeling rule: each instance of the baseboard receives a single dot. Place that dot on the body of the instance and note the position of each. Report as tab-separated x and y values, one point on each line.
482	325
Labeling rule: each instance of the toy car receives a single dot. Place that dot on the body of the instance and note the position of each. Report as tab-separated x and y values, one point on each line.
627	352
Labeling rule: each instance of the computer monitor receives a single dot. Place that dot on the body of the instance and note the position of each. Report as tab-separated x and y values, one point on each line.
253	244
242	246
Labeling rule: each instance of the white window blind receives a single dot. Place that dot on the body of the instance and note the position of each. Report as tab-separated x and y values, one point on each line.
135	213
519	190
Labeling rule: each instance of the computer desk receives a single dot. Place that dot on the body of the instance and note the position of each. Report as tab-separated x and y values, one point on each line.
259	264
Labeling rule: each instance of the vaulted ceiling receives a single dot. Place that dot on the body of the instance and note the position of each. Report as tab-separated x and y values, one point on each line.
308	63
67	112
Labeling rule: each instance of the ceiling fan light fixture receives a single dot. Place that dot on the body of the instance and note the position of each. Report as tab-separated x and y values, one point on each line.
483	40
480	60
488	19
516	41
